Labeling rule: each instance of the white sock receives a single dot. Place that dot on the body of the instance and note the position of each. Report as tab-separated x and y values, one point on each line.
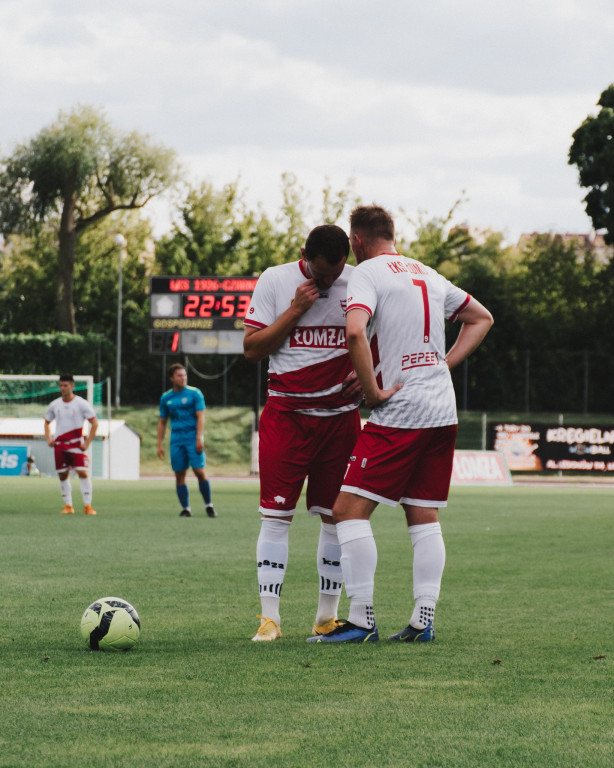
329	571
429	562
66	491
272	556
85	483
358	562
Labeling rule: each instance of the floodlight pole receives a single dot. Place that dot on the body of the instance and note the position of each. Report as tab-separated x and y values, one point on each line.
120	242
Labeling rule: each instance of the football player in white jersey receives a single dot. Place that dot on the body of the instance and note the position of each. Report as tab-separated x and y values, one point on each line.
396	312
70	447
310	421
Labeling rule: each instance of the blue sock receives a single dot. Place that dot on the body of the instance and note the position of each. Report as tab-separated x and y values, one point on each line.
184	496
205	490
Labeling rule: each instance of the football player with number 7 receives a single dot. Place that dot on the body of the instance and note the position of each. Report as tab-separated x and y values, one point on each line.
396	312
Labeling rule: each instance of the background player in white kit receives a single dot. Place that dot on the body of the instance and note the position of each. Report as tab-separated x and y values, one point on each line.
310	421
395	327
69	412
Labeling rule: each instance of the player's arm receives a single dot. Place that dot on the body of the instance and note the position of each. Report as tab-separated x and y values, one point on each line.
91	435
258	343
48	436
161	433
200	430
476	322
360	352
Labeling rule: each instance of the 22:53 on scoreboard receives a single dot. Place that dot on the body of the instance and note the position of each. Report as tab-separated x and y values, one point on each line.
198	314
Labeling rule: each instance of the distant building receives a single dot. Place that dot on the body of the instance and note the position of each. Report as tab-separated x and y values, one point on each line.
592	242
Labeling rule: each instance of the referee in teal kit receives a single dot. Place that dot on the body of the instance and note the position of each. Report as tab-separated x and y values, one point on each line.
185	407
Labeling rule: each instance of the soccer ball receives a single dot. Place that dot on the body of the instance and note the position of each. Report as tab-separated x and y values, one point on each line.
110	624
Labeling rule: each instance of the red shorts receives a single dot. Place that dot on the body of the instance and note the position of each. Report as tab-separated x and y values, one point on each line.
66	457
294	446
410	466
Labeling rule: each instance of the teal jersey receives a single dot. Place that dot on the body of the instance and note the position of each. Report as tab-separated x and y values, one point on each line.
181	407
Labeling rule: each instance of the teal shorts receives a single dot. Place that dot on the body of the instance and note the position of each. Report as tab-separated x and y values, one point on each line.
184	455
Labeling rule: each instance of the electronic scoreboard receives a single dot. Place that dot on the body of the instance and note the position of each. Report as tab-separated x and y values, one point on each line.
198	315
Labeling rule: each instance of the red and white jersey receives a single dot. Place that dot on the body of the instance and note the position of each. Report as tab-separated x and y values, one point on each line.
408	303
306	372
69	417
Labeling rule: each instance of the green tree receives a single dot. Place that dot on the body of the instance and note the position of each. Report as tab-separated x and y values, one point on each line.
549	323
218	234
28	268
592	151
75	173
210	238
337	204
440	244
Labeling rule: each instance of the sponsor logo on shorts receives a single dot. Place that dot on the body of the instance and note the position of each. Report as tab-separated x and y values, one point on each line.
279	500
320	337
419	359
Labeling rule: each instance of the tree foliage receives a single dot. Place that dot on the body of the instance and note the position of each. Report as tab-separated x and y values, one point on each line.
73	174
218	234
592	151
551	301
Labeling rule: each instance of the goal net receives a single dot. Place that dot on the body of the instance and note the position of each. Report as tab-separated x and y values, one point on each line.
27	396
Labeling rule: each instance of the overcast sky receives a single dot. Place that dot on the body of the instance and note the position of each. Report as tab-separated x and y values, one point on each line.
417	101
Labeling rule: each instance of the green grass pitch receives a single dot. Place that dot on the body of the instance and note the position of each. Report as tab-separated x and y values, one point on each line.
521	673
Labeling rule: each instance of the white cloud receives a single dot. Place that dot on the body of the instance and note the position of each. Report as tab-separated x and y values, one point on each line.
417	101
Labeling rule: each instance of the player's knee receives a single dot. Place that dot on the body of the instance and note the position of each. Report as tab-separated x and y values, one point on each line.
349	506
342	508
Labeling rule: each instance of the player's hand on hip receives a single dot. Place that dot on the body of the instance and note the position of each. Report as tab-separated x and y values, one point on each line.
381	396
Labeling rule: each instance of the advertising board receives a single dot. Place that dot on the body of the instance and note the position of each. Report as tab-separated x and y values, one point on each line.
535	446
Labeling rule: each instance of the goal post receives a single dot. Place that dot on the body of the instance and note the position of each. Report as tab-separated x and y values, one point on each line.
23	394
24	399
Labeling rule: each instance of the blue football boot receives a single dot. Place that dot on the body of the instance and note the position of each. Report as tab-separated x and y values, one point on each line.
412	635
347	632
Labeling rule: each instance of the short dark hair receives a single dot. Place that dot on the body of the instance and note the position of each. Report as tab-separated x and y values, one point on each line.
373	220
328	241
174	367
67	377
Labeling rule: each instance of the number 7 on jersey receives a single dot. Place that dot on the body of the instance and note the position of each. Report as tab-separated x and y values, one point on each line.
427	314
